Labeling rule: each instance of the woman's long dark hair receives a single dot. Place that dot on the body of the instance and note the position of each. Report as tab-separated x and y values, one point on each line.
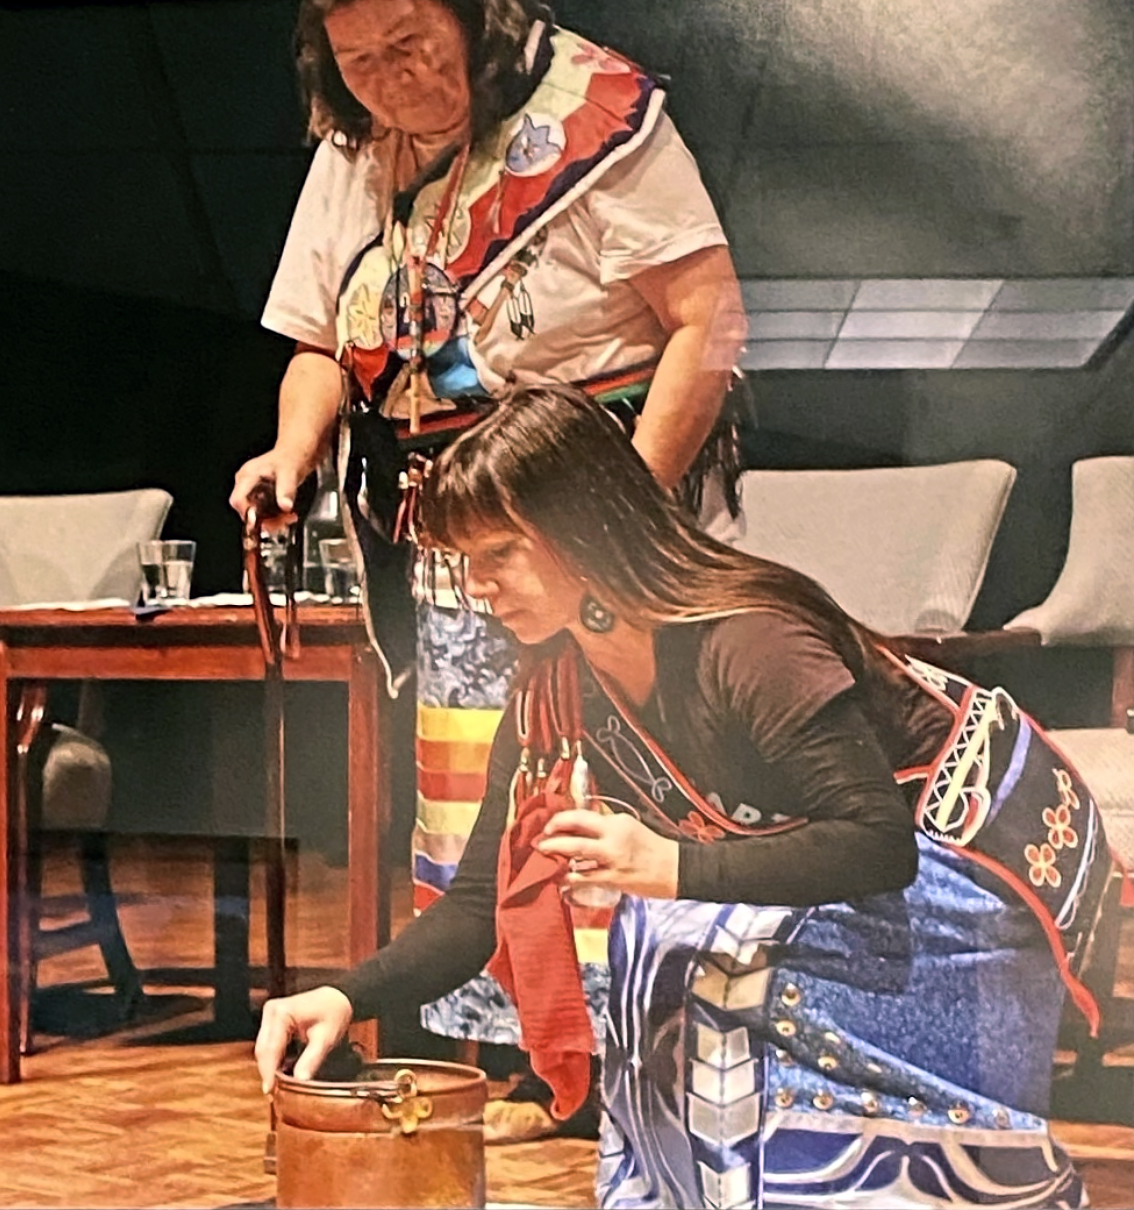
550	461
496	31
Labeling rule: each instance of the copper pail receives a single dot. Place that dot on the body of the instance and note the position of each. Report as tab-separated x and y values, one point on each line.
406	1132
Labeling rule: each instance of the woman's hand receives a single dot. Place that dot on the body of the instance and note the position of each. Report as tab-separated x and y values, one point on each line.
283	471
612	850
319	1018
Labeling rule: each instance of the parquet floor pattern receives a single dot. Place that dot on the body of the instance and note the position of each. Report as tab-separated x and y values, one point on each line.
130	1120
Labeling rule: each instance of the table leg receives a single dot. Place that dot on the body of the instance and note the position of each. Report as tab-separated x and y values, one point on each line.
276	830
9	886
368	803
232	1011
29	722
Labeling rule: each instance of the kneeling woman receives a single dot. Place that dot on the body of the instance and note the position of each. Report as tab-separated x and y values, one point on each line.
853	886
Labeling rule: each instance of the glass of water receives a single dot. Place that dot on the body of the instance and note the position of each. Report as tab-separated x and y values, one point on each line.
167	571
340	574
274	551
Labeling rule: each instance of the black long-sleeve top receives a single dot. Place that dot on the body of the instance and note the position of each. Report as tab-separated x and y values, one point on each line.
756	709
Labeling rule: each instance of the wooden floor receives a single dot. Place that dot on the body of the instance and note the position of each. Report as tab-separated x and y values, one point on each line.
134	1119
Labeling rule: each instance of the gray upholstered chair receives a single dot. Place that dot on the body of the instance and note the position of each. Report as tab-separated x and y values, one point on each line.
1092	605
903	549
65	549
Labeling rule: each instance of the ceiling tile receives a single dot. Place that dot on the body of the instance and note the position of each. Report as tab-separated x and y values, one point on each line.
893	354
924	294
1025	354
785	355
1066	294
794	325
783	295
1047	325
909	325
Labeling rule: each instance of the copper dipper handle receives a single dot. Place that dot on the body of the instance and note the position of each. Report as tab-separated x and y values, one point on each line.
276	642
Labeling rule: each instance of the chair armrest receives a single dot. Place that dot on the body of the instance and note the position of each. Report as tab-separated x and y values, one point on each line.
964	645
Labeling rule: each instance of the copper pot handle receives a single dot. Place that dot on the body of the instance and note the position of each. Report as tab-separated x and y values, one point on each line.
399	1099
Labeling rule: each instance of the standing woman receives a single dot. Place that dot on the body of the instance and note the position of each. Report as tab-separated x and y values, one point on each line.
493	201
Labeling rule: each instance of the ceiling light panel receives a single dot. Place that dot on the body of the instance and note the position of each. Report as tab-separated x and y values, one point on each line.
909	325
1025	354
785	355
766	294
931	323
893	354
795	325
1066	294
925	294
1047	325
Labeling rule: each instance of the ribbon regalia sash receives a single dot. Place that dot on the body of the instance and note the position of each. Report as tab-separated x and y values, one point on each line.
978	798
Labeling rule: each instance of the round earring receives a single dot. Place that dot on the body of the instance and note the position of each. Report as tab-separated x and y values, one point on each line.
595	617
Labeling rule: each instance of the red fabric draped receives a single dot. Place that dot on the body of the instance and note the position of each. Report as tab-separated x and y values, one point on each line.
535	958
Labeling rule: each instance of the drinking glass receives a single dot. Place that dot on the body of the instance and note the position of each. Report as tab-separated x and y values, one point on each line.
167	571
340	575
273	553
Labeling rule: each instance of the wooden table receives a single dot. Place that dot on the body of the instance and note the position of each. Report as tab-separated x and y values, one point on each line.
191	644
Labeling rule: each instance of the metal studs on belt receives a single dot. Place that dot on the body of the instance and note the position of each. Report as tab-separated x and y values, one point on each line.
916	1107
822	1100
785	1098
827	1062
791	995
786	1029
959	1114
784	1058
870	1105
1002	1118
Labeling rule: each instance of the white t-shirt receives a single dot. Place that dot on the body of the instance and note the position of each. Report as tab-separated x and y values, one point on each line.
649	209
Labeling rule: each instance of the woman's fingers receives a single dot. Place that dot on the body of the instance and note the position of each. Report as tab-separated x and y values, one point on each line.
271	1043
578	823
319	1017
321	1040
580	848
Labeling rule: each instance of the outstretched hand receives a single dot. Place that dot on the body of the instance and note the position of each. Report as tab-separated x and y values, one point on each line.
613	851
319	1018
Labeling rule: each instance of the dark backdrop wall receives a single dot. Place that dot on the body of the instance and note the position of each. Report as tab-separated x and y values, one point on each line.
150	155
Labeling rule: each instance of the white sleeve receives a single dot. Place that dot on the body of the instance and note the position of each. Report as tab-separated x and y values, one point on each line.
333	218
652	208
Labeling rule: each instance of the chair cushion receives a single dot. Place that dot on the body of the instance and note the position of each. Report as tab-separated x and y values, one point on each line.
902	548
1104	758
76	781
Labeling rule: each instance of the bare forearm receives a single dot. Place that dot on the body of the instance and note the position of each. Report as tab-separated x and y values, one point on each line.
697	300
309	404
681	408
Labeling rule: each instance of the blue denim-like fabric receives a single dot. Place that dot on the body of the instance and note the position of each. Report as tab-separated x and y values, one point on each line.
898	1053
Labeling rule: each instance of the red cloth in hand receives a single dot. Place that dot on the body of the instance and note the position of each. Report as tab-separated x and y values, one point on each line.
535	960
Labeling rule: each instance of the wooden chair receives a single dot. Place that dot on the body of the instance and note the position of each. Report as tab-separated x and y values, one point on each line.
1092	605
64	549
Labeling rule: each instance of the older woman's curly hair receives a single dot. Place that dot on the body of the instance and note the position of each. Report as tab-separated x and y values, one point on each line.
497	31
